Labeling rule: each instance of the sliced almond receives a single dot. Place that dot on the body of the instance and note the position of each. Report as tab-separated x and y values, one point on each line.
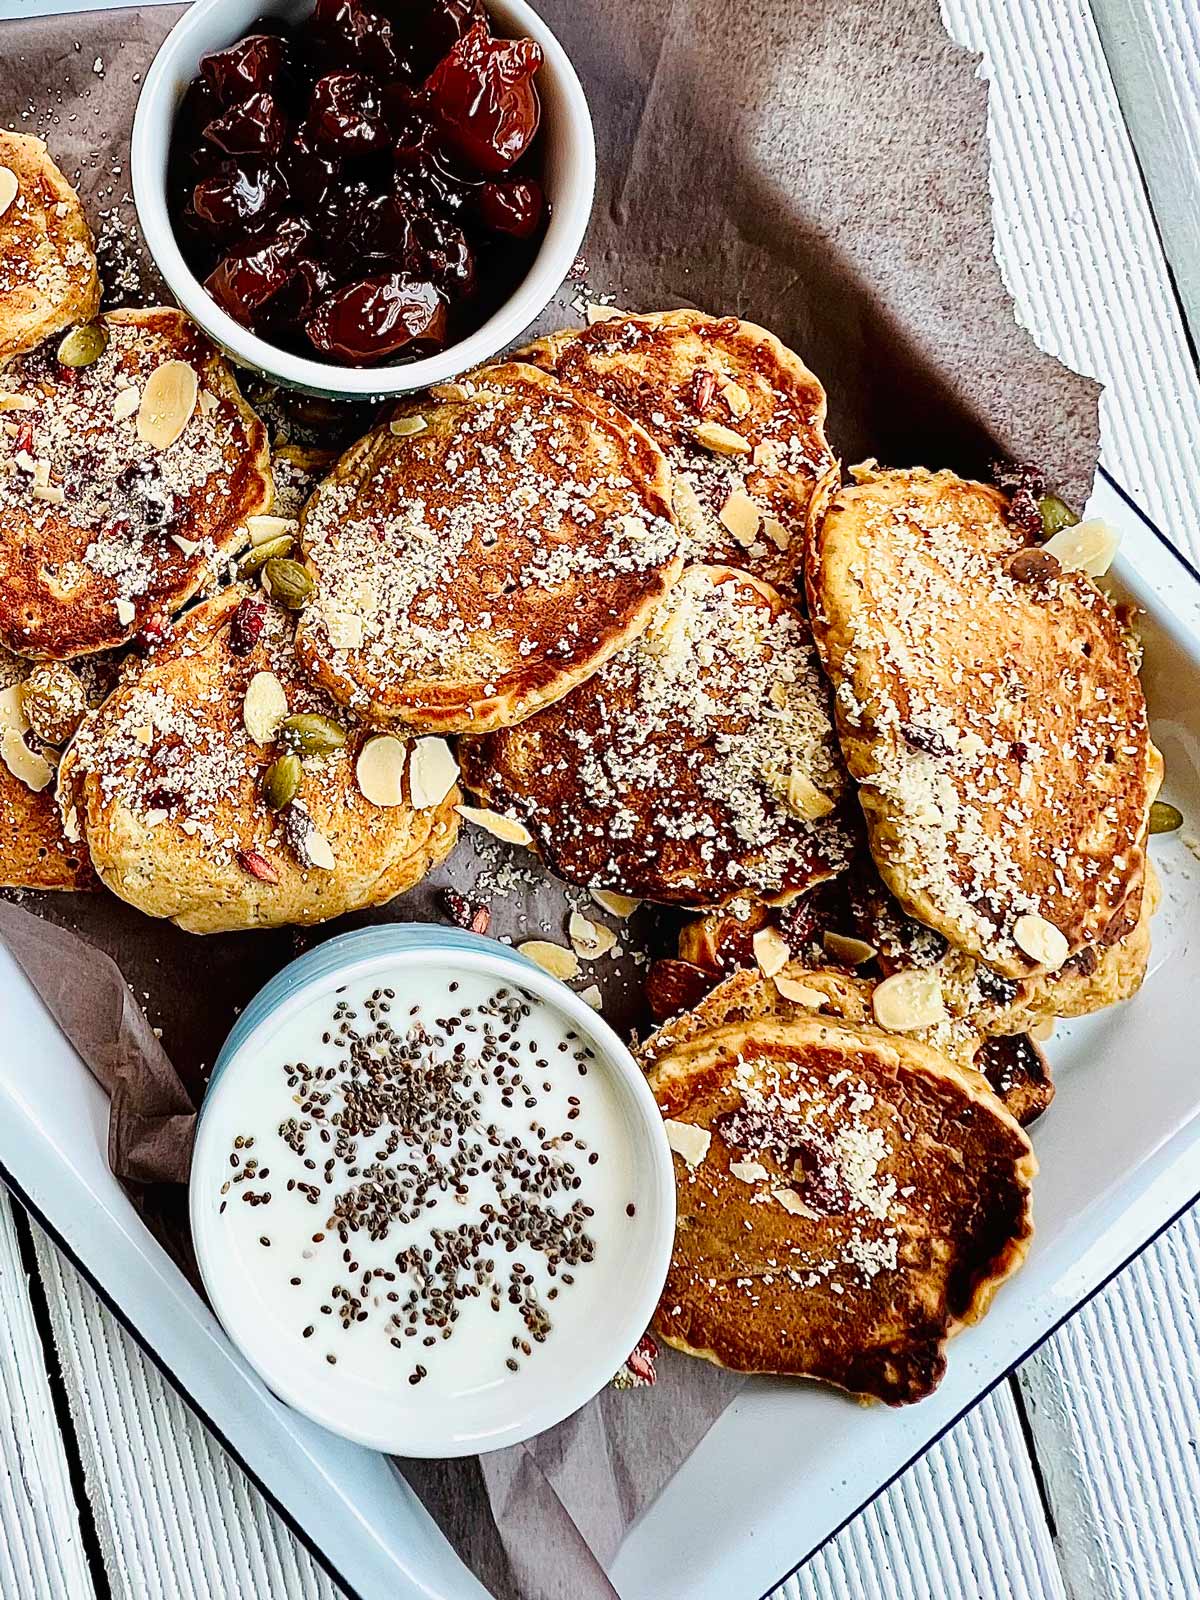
155	816
405	427
742	517
621	905
319	850
748	1171
774	530
9	188
167	404
800	993
261	529
598	313
432	773
127	402
1041	941
346	629
908	1000
846	951
187	546
687	1140
12	709
685	499
380	770
765	455
209	402
736	398
26	765
634	527
804	799
264	707
144	734
17	402
126	611
502	827
451	391
49	492
791	1202
770	951
1043	1029
555	959
722	441
1087	547
589	939
591	996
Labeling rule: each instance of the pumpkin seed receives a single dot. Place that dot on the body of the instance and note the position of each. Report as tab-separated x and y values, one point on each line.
288	582
282	782
311	734
1056	514
1165	818
83	345
259	555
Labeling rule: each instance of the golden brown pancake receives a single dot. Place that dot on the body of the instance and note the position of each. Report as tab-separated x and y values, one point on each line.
676	371
482	564
166	784
699	764
102	531
48	278
990	709
880	1197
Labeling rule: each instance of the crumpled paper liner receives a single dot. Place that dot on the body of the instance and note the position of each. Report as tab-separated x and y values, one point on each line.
818	166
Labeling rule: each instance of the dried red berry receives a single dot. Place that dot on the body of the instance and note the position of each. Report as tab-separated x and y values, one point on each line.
155	631
513	206
258	866
483	98
704	386
248	67
375	317
673	986
252	128
245	630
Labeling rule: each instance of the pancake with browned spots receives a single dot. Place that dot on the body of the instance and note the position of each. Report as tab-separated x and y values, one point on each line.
48	276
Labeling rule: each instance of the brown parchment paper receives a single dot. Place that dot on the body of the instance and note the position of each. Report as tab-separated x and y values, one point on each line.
819	166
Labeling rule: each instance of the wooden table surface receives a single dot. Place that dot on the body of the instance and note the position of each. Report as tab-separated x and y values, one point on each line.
1077	1477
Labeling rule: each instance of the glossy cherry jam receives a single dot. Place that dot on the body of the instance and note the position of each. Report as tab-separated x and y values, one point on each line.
364	186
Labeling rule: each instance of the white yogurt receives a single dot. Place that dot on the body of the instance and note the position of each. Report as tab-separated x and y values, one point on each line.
427	1205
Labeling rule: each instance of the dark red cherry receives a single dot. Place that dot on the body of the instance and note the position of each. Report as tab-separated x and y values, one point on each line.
241	284
238	197
311	175
513	206
484	100
428	28
251	66
448	259
253	128
346	116
310	282
375	317
357	38
389	235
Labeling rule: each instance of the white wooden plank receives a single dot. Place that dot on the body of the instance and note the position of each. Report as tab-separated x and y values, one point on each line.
41	1551
177	1520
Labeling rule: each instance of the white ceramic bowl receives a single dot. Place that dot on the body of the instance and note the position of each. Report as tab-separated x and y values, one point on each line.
570	174
608	1308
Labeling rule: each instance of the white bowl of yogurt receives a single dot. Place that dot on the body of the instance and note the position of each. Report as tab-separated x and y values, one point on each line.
431	1197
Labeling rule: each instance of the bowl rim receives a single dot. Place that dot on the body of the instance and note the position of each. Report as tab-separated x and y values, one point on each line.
560	247
428	944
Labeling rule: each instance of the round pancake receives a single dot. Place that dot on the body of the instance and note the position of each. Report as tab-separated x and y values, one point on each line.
101	532
483	564
989	707
673	371
165	783
881	1198
48	277
694	767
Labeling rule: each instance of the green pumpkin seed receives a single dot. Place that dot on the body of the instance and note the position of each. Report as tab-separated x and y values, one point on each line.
262	553
311	733
1165	818
1056	515
288	582
83	345
282	782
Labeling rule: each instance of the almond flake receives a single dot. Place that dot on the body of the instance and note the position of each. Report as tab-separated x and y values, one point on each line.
380	770
17	402
49	492
908	1000
774	530
720	440
804	799
451	391
765	455
209	402
71	829
598	313
264	707
736	398
405	427
748	1171
742	517
1041	941
1043	1029
685	499
432	773
502	827
319	850
800	993
591	996
126	611
1087	547
687	1140
188	546
263	528
167	404
770	951
345	629
621	905
847	951
9	188
156	816
589	939
144	734
26	765
126	403
555	959
791	1202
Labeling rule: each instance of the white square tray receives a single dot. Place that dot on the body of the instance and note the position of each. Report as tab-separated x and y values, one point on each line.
788	1464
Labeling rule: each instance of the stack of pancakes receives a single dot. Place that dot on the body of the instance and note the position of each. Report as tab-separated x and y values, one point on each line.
891	756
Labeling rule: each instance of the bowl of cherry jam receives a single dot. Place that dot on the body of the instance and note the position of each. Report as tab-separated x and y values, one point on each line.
362	197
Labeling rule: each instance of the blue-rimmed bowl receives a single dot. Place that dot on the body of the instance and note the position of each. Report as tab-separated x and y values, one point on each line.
480	1419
